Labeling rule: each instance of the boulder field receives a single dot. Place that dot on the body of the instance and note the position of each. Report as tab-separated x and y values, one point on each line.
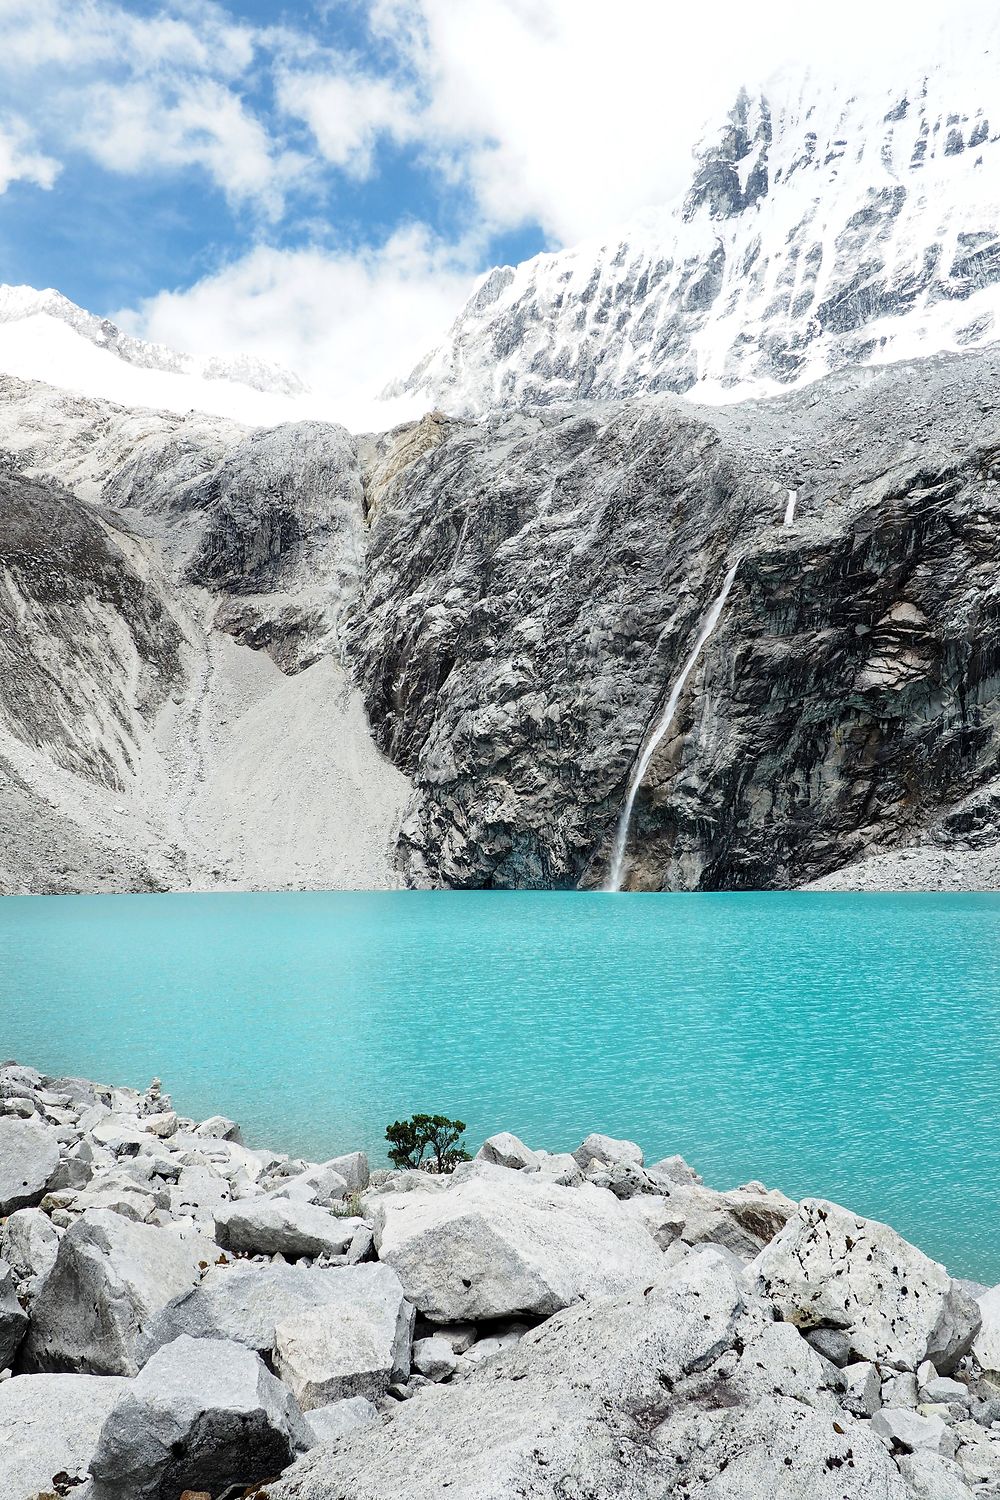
183	1315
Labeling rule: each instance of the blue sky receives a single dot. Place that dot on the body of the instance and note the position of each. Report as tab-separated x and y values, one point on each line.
322	182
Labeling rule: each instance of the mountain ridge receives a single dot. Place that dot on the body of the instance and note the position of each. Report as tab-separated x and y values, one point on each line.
821	229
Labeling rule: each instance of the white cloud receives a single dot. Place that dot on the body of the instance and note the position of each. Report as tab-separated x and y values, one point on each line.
153	126
347	323
348	112
19	161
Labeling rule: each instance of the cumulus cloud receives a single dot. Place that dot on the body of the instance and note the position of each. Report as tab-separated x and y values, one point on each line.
348	323
19	161
167	125
348	112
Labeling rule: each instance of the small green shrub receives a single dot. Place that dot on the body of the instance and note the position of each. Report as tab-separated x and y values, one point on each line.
427	1143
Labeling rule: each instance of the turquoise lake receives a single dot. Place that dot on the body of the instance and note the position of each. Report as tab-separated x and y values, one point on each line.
847	1046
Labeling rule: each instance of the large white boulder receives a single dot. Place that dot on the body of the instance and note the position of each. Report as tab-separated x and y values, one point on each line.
203	1414
498	1242
49	1425
244	1301
283	1226
356	1345
829	1268
110	1278
28	1243
682	1387
987	1345
29	1155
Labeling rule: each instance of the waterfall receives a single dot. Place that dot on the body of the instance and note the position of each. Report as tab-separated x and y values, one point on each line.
793	495
617	868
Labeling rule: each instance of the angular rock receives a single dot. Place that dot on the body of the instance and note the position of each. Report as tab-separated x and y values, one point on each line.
899	1427
243	1302
49	1426
435	1358
13	1318
333	1421
506	1150
861	1393
202	1412
987	1344
219	1128
503	1242
29	1155
321	1185
931	1477
743	1219
828	1268
357	1345
353	1168
604	1148
110	1278
28	1242
281	1226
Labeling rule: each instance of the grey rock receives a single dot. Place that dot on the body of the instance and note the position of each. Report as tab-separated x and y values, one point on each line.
28	1242
830	1268
899	1427
203	1412
321	1184
357	1345
435	1357
219	1128
673	1169
331	1422
29	1155
604	1148
861	1393
900	1390
110	1279
506	1150
49	1426
941	1388
508	1242
243	1302
987	1345
282	1226
353	1168
929	1476
13	1318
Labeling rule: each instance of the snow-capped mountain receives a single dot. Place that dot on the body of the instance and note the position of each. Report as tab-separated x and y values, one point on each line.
823	228
44	336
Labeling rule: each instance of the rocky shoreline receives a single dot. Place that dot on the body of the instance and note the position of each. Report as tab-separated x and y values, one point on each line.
182	1315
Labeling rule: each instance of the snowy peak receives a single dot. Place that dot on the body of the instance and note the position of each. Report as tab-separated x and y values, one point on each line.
18	303
823	228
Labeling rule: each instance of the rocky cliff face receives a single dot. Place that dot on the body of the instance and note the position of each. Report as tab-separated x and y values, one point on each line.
536	581
249	652
173	710
824	227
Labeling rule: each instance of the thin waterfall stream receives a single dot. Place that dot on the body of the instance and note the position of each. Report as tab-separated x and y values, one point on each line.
616	871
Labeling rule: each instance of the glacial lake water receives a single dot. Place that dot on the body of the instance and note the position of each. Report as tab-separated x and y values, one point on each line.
846	1046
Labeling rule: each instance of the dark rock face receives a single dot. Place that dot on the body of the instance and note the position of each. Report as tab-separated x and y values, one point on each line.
535	582
516	581
84	639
